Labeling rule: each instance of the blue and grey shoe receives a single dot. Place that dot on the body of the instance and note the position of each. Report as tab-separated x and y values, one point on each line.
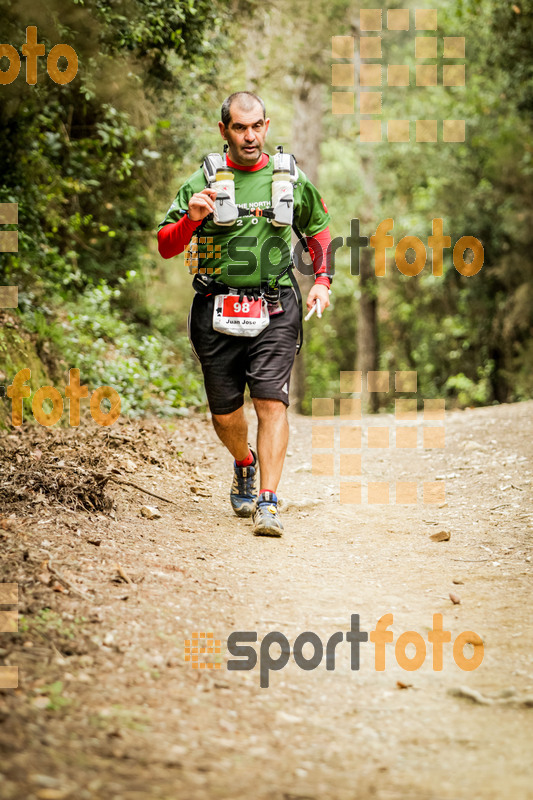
243	492
266	516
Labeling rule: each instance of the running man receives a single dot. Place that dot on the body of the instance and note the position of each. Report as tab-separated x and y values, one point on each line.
250	258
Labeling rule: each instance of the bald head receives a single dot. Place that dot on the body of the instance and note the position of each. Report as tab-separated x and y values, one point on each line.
244	101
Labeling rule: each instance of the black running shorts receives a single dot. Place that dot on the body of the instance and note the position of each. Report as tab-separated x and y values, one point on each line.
263	362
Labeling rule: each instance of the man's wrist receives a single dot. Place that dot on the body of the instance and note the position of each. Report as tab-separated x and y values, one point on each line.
191	221
322	280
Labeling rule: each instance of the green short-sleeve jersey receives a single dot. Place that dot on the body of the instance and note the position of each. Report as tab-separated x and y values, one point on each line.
252	250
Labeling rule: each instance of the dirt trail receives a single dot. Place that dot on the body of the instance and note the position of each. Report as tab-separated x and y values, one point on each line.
108	708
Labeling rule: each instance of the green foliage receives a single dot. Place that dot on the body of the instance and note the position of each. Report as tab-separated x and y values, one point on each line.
49	622
18	351
88	163
150	373
130	718
91	162
470	393
54	693
329	343
466	337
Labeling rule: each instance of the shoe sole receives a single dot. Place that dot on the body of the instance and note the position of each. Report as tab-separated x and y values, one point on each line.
243	512
268	532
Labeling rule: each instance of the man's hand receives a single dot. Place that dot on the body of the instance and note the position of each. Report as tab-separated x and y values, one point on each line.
318	292
201	204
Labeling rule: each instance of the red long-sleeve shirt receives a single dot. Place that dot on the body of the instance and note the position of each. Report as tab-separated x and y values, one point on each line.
173	238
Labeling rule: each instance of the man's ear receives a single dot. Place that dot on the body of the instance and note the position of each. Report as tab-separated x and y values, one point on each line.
222	130
267	123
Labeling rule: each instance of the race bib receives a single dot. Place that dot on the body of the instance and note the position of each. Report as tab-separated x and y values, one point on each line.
236	318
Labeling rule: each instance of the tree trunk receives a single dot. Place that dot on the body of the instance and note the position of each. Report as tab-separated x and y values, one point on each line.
306	140
367	323
367	329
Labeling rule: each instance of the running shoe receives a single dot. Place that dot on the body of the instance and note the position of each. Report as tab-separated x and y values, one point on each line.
266	516
243	492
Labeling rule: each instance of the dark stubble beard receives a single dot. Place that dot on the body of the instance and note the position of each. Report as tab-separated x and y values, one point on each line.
251	158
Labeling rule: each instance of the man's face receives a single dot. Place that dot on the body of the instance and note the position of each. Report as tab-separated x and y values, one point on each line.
245	134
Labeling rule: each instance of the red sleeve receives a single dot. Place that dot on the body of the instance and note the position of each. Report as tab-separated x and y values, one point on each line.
320	255
172	239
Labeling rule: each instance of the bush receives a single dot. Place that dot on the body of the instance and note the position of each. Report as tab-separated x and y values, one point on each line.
149	372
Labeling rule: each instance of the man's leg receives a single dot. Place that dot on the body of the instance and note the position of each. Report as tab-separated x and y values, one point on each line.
223	359
272	440
232	430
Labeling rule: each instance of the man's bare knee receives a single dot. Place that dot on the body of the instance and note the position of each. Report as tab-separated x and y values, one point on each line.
269	408
228	421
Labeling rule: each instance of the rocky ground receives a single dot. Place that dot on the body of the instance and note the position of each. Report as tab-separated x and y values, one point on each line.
108	707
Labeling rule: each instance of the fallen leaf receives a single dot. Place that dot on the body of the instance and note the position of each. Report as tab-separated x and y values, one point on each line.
457	581
440	536
402	685
455	598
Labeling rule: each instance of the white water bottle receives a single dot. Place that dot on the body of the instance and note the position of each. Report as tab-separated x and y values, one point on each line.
282	197
226	212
